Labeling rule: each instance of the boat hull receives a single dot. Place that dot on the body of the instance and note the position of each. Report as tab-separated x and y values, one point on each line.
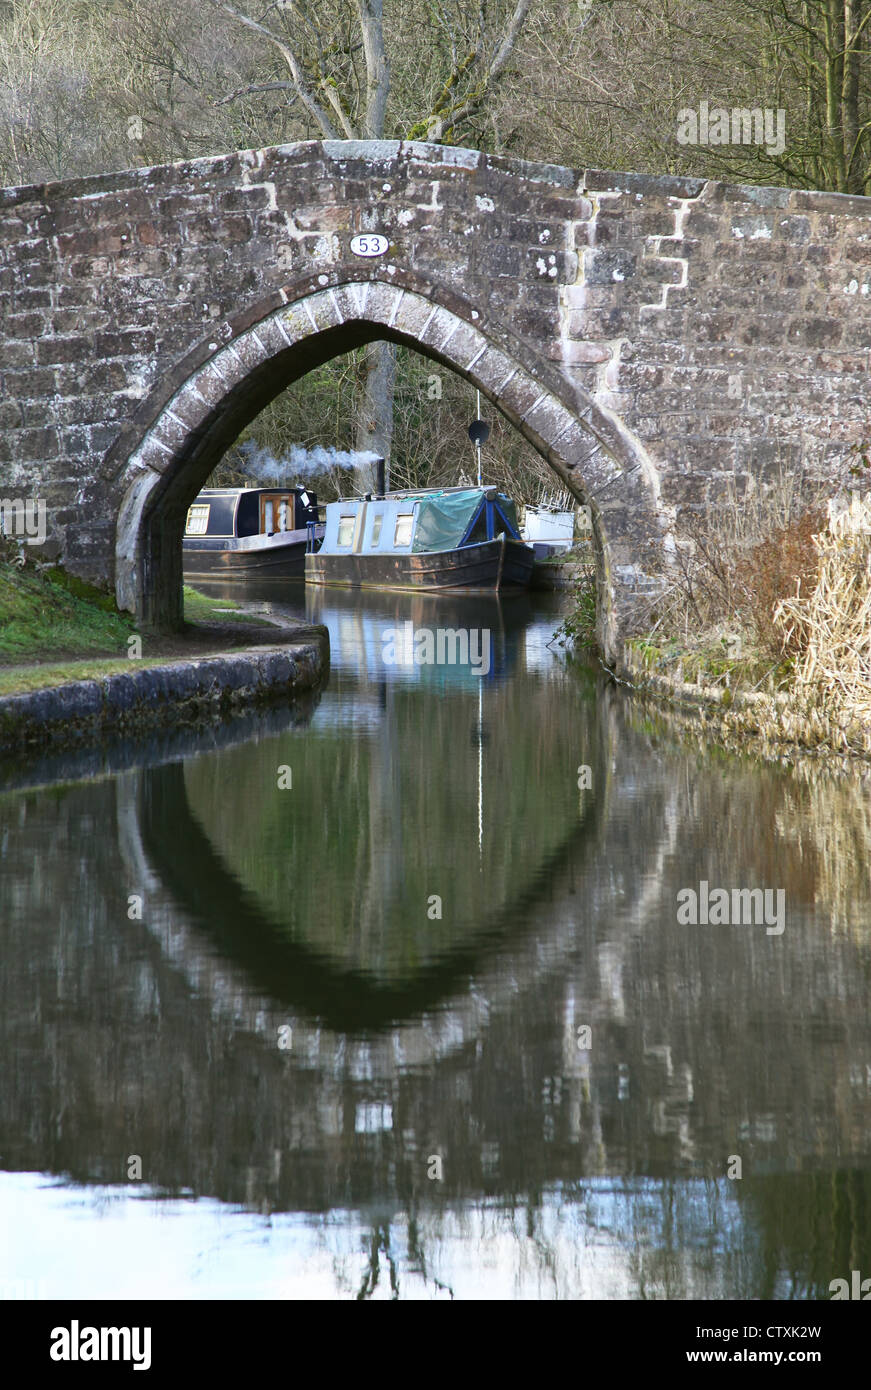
492	566
246	562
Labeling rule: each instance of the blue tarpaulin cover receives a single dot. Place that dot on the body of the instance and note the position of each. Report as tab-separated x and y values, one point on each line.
444	519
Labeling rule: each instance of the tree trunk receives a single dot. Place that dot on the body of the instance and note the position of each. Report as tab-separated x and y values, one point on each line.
375	420
377	69
834	49
375	404
850	98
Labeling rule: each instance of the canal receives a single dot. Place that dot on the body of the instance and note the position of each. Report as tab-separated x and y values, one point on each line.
389	994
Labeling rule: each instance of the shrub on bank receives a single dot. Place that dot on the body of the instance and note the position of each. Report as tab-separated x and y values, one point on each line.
776	569
730	568
807	599
766	609
828	623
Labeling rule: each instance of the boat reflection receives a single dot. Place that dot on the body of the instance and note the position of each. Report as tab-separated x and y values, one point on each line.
434	641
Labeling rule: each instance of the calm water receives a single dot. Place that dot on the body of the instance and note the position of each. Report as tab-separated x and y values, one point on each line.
340	1023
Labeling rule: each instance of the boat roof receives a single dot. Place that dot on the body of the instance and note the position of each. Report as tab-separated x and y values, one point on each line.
421	494
240	491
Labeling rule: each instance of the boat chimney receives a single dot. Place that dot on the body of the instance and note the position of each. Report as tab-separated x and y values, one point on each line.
379	478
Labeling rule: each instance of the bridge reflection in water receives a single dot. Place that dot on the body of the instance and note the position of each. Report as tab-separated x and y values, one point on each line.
290	1030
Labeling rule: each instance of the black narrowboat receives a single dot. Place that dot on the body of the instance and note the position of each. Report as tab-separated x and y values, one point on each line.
250	534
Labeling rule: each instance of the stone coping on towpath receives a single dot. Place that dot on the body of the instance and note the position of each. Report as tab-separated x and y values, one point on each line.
172	692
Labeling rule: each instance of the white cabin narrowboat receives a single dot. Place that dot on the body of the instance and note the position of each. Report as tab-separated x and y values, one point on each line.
460	539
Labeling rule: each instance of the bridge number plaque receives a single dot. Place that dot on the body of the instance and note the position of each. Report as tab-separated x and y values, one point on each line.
370	244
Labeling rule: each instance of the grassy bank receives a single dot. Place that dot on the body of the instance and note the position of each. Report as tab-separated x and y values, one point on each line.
54	628
47	614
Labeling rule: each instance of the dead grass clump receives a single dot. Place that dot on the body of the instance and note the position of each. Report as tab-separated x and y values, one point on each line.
772	572
732	565
830	625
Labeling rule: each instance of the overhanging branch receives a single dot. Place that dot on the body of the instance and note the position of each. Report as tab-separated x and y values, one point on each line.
306	96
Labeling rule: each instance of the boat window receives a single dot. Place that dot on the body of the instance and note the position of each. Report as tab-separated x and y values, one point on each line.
198	519
404	526
276	514
376	529
346	530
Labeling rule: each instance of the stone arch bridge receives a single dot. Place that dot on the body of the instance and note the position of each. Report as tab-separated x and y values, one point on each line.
652	337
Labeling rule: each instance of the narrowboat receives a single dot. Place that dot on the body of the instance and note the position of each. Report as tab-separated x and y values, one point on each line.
461	539
548	530
250	534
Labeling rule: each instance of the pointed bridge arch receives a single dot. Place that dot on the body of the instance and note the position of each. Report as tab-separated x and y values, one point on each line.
194	414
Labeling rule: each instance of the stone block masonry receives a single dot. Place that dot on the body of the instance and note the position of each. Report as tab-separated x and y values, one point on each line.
657	339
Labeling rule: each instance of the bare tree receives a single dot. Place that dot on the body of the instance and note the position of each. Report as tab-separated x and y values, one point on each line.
474	73
614	80
337	69
823	48
50	118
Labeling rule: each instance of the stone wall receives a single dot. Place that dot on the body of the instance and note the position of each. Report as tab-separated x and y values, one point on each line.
653	337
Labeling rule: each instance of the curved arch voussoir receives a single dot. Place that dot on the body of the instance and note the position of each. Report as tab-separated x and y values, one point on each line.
187	429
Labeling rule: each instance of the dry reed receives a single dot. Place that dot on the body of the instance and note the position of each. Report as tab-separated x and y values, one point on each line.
831	628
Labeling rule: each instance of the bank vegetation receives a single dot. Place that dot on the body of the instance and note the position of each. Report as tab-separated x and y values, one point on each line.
763	615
